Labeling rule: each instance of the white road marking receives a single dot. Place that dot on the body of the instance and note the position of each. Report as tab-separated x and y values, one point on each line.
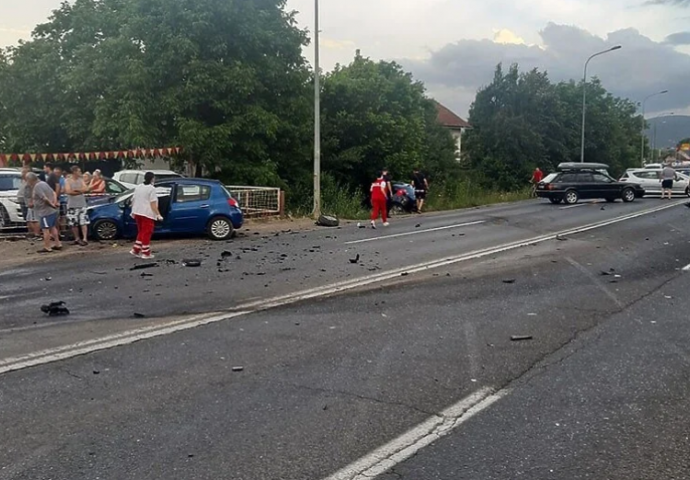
400	449
597	282
686	268
575	206
132	336
416	232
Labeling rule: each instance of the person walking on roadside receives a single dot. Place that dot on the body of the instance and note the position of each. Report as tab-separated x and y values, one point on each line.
379	200
77	216
421	187
145	212
668	175
46	207
389	190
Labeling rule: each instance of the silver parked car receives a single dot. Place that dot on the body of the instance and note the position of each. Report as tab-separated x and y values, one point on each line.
650	180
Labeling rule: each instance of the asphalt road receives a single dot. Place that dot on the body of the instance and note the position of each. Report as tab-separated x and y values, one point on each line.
600	391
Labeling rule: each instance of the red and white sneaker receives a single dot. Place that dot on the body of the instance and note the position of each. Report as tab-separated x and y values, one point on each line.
150	256
135	254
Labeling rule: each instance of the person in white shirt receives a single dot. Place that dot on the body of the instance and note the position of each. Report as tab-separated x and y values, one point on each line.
145	212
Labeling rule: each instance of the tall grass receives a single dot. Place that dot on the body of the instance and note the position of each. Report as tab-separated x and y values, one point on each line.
346	203
466	194
336	199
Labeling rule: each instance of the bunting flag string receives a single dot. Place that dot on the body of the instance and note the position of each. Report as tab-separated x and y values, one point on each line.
29	158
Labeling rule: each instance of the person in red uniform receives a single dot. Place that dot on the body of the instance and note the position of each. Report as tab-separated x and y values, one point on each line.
379	200
537	177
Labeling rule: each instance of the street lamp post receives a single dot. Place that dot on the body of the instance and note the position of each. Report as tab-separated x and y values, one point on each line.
584	98
665	114
317	116
644	103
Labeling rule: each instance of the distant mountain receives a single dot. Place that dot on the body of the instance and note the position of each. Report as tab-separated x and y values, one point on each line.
669	130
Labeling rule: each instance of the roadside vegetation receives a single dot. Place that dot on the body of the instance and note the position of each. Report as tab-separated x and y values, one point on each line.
228	82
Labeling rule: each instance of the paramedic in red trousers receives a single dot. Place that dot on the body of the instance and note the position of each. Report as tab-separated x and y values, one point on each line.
145	212
379	201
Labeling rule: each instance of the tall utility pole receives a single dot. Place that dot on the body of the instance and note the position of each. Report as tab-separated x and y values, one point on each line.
644	103
584	98
665	114
317	116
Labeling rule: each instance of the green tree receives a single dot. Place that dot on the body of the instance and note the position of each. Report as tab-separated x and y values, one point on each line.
376	115
522	121
225	79
516	126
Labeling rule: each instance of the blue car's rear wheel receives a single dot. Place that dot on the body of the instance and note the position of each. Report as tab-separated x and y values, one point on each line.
105	230
220	228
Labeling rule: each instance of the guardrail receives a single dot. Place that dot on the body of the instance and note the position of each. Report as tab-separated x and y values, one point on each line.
259	201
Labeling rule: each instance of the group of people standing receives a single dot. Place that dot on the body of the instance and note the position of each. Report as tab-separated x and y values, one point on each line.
381	192
47	198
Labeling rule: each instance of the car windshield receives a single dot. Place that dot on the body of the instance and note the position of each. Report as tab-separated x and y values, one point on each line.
10	182
550	178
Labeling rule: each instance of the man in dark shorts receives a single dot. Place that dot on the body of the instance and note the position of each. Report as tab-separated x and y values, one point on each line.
668	174
46	209
389	190
421	187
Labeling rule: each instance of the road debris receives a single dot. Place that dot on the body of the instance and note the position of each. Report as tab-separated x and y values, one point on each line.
191	263
237	369
520	338
143	266
355	260
55	309
509	281
226	254
139	315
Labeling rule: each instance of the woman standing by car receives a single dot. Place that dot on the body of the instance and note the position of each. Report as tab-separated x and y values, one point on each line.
145	212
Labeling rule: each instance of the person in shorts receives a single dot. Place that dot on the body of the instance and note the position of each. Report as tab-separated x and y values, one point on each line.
421	187
77	216
668	174
46	207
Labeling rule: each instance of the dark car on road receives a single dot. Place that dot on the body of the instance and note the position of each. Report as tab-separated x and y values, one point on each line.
404	199
576	181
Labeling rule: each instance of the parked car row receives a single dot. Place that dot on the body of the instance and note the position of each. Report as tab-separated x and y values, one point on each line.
576	181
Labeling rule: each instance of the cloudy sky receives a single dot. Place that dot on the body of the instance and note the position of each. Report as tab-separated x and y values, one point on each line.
454	45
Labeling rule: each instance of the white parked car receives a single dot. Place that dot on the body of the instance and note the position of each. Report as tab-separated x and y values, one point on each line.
132	178
650	180
10	211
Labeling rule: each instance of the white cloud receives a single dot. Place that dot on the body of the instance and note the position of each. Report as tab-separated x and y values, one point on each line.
641	67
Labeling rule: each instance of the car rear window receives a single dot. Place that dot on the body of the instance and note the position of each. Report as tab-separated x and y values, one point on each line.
550	178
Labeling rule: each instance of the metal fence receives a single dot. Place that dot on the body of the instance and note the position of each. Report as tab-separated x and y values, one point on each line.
258	201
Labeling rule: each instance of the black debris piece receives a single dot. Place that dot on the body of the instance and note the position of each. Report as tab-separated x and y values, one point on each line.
355	260
510	280
139	315
561	239
191	262
226	254
404	274
418	225
55	309
100	273
143	266
144	274
520	338
237	369
96	372
605	273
